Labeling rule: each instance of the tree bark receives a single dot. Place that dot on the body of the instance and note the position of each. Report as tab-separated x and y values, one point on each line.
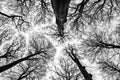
60	8
10	65
86	75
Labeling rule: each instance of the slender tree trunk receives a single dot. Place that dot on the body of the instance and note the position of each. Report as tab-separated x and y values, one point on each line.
10	65
86	75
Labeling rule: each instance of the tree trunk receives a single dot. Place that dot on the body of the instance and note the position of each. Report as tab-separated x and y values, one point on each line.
60	8
10	65
86	75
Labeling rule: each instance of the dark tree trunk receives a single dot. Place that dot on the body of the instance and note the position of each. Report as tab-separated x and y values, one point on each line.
60	8
82	69
10	65
86	75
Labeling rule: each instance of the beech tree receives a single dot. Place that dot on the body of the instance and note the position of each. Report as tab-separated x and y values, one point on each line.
33	69
39	48
80	14
102	47
66	70
13	50
72	53
80	20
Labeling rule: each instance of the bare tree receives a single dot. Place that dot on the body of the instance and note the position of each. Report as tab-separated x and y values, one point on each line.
15	19
6	35
55	34
66	70
100	43
110	70
24	14
84	12
27	12
33	69
14	50
72	53
102	47
39	47
88	12
61	10
21	13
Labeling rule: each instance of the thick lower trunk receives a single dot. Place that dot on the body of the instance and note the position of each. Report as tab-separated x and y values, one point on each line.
60	8
8	66
86	75
82	69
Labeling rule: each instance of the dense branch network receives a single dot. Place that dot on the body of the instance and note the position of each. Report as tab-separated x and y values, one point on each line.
30	59
71	51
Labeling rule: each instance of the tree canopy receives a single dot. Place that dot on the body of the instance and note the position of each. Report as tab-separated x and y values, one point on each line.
33	31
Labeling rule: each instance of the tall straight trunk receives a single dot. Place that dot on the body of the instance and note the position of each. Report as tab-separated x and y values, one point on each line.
60	8
86	75
82	69
10	65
